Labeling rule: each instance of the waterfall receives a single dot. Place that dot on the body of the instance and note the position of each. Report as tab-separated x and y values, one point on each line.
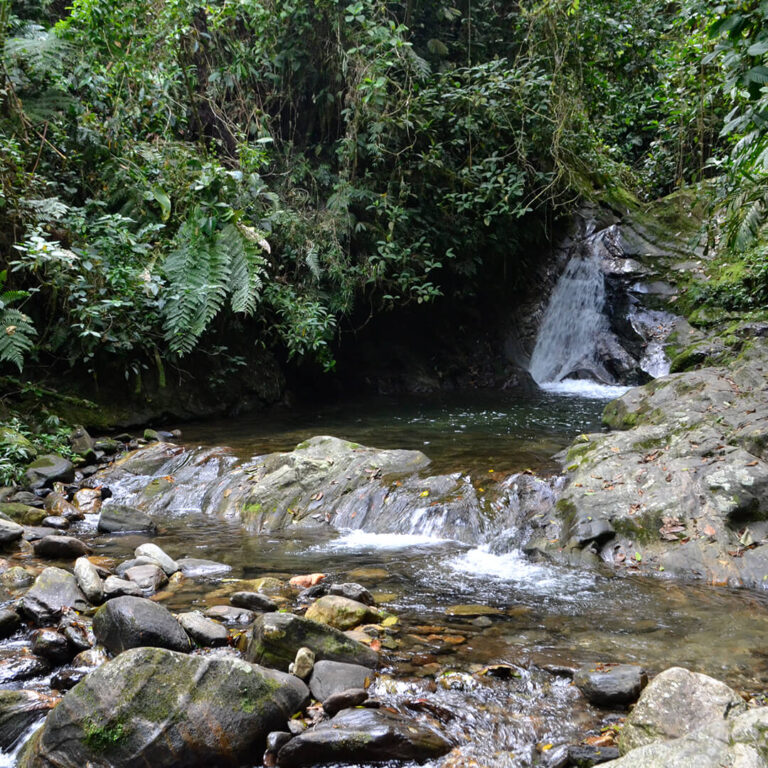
567	341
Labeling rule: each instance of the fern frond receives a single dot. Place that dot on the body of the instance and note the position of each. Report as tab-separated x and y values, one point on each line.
421	67
747	226
16	336
246	269
313	262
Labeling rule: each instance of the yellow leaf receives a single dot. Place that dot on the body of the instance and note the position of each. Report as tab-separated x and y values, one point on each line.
390	621
423	494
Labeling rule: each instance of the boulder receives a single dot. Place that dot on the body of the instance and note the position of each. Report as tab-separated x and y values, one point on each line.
119	518
152	551
21	664
203	631
132	622
254	601
611	684
51	645
332	677
275	638
10	531
154	707
54	590
149	578
89	581
229	614
117	587
675	703
362	736
24	514
194	567
9	622
352	697
45	470
18	711
88	500
352	591
341	612
61	547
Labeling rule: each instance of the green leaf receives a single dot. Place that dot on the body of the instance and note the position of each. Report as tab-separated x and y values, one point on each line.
163	201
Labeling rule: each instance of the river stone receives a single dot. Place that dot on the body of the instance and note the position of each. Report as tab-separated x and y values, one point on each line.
303	663
341	612
253	601
62	547
117	587
584	755
131	622
54	590
737	742
9	622
611	685
203	631
229	614
331	677
20	664
276	637
51	645
34	533
675	703
148	577
81	442
88	500
92	658
89	581
56	504
22	513
17	577
46	470
352	697
56	522
10	531
124	566
353	591
119	518
158	708
363	735
18	711
168	564
193	567
472	610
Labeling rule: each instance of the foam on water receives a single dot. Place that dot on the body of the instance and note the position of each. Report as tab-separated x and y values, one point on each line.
591	390
359	539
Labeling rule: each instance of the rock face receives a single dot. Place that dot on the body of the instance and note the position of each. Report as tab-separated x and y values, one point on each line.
675	703
361	735
132	622
54	590
276	637
682	486
154	707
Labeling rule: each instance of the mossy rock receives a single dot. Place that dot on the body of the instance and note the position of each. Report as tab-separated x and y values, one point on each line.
20	445
23	514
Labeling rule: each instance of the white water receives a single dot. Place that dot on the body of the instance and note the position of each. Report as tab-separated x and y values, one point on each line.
591	390
359	539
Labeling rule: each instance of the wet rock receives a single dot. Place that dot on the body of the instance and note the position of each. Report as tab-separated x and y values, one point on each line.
18	711
473	610
56	522
341	612
22	513
77	631
124	566
57	505
92	658
20	664
152	551
53	591
362	735
9	622
230	615
35	533
276	637
253	601
51	645
61	547
303	663
46	470
276	740
193	567
81	442
310	594
119	518
88	500
203	631
131	622
155	707
584	756
675	703
149	578
352	591
67	678
27	498
89	581
17	577
117	587
10	531
344	700
331	677
611	685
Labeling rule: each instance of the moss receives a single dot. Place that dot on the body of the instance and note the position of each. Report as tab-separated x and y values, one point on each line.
577	453
617	416
101	737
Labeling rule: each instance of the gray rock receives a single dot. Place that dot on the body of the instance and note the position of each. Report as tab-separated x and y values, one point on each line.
344	700
61	547
168	564
675	703
352	591
90	659
230	615
158	708
363	735
89	581
276	740
57	522
17	577
131	622
51	645
54	590
203	631
46	470
10	531
117	587
193	567
254	601
611	685
331	677
20	664
148	577
124	566
119	518
276	637
303	663
81	442
18	711
9	622
585	755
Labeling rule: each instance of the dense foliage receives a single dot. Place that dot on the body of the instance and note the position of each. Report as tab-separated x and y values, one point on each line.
177	174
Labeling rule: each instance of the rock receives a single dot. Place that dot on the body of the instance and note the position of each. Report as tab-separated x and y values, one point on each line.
17	577
51	645
10	531
277	740
123	567
54	590
92	658
9	622
151	436
352	591
22	513
344	700
89	581
131	622
152	551
194	567
81	442
20	664
35	533
67	678
46	470
77	631
473	610
253	601
584	755
611	685
331	677
276	637
56	522
234	617
303	663
18	711
341	612
676	703
88	500
148	577
738	741
57	505
119	518
203	631
361	736
117	587
61	547
306	580
158	708
21	446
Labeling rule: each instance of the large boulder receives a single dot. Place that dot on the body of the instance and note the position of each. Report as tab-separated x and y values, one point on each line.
675	703
361	736
275	638
132	622
44	471
18	711
120	518
54	590
158	708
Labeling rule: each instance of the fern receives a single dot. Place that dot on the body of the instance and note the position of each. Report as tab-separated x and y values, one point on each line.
246	269
746	227
16	332
313	262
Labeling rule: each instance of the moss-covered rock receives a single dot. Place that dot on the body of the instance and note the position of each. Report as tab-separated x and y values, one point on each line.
341	612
